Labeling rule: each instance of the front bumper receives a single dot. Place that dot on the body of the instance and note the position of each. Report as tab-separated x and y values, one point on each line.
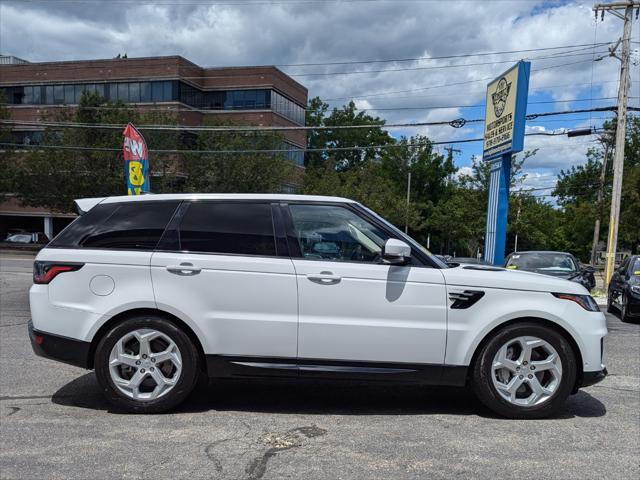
591	378
62	349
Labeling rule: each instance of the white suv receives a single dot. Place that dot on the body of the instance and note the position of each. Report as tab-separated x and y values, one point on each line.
153	291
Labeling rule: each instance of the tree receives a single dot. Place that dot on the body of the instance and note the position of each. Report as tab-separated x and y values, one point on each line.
90	164
238	172
370	138
577	192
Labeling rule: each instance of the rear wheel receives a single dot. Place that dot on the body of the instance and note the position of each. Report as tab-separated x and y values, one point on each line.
525	371
146	365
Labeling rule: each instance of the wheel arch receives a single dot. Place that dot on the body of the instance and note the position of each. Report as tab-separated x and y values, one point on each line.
540	321
123	316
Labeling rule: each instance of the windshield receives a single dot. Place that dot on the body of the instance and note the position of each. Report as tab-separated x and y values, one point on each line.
555	262
406	237
636	268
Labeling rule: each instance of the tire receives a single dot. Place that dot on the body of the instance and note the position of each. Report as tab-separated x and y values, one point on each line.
610	307
558	382
162	385
624	313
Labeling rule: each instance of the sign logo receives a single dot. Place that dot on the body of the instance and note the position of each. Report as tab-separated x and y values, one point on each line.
499	97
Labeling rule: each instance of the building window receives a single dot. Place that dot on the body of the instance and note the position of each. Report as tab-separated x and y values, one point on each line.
100	90
48	95
145	91
159	91
123	92
156	92
294	154
287	108
167	91
58	94
69	94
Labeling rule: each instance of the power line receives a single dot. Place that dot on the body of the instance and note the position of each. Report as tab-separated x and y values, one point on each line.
457	123
437	67
170	109
236	74
269	150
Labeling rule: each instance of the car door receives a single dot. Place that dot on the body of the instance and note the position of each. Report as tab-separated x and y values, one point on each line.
219	266
353	307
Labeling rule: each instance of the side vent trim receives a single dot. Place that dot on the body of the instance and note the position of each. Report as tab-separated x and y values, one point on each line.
465	299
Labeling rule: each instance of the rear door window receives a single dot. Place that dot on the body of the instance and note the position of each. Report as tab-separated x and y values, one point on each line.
240	228
129	226
133	226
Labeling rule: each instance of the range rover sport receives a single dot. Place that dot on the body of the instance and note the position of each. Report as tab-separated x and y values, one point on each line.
153	291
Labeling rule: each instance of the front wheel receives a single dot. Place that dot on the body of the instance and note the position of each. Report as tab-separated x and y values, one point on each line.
610	307
525	371
624	311
146	365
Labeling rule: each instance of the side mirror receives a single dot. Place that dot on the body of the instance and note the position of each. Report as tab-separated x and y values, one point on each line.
396	252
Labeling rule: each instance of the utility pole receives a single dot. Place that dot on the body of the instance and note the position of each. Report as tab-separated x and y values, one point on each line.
596	228
515	246
621	128
406	223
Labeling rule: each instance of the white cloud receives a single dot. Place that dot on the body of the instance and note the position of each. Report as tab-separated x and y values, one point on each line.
280	33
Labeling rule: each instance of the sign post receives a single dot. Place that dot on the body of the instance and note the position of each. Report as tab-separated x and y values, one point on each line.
503	136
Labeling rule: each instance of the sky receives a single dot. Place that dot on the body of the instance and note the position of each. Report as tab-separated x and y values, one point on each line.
418	88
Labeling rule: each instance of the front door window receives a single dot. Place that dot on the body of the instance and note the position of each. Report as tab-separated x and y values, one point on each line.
334	233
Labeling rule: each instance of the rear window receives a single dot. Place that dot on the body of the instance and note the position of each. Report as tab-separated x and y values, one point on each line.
131	226
233	228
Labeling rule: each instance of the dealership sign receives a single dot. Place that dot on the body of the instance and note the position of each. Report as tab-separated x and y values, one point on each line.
505	112
503	135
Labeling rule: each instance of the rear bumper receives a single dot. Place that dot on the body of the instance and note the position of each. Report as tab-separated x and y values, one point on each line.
63	349
591	378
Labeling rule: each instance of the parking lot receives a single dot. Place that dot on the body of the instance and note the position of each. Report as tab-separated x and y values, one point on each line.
54	423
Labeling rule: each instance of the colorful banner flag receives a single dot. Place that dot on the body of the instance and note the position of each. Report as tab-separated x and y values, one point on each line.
136	161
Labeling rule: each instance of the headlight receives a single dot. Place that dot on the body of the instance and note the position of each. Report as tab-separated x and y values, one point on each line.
635	289
585	301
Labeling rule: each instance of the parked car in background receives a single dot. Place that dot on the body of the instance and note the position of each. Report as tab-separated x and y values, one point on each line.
557	264
468	261
24	237
624	290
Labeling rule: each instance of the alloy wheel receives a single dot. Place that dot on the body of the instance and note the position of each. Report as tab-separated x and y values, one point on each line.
526	371
145	364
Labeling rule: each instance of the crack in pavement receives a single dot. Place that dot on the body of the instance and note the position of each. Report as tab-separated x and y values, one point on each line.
291	439
13	410
27	397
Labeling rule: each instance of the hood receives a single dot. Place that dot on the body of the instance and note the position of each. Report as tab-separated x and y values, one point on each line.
493	277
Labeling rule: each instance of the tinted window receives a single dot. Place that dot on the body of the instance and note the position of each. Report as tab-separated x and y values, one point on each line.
336	233
234	228
135	225
82	226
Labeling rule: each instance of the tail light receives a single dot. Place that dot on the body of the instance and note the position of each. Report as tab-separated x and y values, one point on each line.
44	272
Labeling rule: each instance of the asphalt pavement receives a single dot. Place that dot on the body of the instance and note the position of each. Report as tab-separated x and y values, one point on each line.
54	423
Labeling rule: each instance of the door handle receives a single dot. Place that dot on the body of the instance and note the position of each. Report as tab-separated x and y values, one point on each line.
324	278
185	269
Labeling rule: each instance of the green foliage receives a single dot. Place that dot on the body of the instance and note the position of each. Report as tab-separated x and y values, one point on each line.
577	193
53	178
238	172
338	138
